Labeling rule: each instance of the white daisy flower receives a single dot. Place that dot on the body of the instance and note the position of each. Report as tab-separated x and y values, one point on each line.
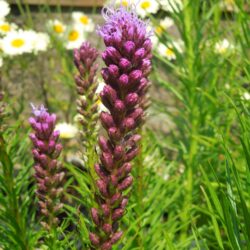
168	50
40	42
223	47
171	5
4	9
82	19
246	96
67	131
17	43
6	27
75	37
56	27
164	24
145	7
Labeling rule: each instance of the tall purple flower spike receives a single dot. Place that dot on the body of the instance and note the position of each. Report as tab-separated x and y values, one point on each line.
127	58
48	173
86	85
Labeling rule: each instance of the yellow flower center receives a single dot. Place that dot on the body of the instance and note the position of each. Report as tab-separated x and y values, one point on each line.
73	35
58	28
5	27
159	30
124	3
17	43
84	20
145	5
169	52
222	50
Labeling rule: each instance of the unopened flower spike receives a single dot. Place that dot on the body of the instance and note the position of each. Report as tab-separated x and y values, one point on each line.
87	104
127	58
48	171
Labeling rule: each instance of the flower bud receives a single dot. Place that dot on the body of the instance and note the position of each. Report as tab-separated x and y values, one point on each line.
124	170
107	120
131	100
128	124
104	144
117	214
58	149
139	54
113	70
119	107
124	202
118	152
147	45
107	228
108	95
123	81
115	198
135	76
126	183
116	237
105	209
95	216
107	160
102	186
129	47
114	180
95	240
125	64
132	153
114	134
101	172
112	54
51	146
106	246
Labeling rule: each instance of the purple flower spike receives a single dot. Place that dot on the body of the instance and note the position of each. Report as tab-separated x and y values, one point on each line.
86	85
127	58
48	172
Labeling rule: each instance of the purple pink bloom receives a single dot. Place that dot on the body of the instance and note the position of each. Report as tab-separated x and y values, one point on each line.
127	58
48	171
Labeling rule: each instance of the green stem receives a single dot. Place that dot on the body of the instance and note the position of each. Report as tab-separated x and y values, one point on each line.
189	34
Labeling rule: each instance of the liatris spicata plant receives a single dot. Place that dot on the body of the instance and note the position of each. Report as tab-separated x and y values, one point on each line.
127	57
86	85
48	171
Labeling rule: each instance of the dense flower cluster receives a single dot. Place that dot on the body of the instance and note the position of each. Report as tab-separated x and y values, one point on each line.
86	85
48	171
127	57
